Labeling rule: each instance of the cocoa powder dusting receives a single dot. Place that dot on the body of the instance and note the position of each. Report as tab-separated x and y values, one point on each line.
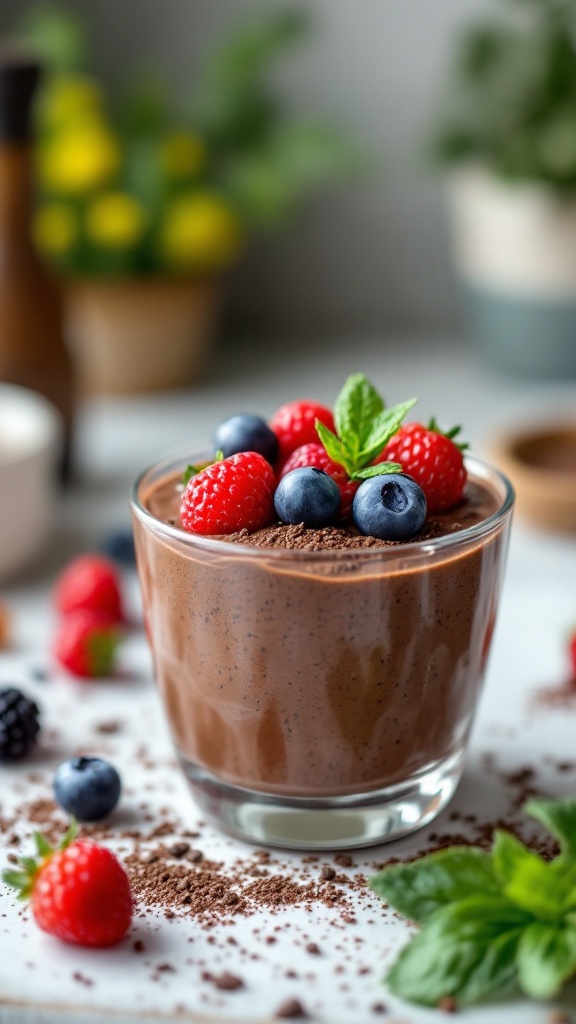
329	538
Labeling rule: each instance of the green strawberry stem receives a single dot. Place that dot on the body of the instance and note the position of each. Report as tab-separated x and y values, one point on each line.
363	428
23	880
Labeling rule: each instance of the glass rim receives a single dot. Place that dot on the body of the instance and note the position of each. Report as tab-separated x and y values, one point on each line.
408	549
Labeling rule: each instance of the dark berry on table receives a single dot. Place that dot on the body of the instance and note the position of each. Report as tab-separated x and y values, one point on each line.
245	432
307	495
19	725
391	507
87	787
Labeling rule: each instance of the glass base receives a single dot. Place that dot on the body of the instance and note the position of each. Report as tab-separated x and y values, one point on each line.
328	823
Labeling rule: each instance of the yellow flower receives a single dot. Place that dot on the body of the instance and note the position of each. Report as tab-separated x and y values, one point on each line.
115	220
182	155
78	159
69	98
55	229
200	232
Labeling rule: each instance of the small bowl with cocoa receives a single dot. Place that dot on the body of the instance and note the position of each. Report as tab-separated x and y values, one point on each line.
541	463
320	681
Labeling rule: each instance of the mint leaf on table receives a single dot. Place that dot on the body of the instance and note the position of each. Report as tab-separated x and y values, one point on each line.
419	888
546	958
467	950
490	921
364	426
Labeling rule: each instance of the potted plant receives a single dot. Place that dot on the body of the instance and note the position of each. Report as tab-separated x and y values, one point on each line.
508	132
145	206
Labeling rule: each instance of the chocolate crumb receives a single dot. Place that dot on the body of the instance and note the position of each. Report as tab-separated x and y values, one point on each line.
327	874
313	948
291	1009
165	968
559	1017
448	1004
138	946
344	860
108	728
379	1008
226	981
82	979
178	849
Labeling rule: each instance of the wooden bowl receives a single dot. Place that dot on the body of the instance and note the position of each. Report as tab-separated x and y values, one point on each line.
541	463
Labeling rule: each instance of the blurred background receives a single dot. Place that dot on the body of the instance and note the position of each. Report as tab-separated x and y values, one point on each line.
369	255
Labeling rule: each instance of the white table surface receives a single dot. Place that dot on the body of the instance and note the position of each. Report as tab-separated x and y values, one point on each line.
118	437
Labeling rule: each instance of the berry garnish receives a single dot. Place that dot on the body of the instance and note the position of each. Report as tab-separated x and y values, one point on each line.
86	642
19	725
79	893
317	456
245	432
89	581
233	494
572	656
295	424
392	507
433	460
87	787
308	496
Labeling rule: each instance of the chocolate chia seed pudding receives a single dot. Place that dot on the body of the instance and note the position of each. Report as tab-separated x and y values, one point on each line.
321	669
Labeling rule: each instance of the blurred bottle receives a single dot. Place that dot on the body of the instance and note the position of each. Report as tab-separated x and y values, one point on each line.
32	349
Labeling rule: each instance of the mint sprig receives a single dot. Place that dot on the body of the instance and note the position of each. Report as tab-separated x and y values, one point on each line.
192	470
491	922
363	428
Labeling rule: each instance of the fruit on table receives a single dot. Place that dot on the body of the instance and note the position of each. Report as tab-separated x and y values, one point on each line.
86	642
89	581
87	787
309	496
79	892
19	725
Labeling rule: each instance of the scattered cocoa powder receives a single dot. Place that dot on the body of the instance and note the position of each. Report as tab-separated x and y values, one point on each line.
225	981
291	1009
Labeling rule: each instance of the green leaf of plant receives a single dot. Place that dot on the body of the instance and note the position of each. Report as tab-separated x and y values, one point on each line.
466	950
383	428
335	447
420	888
559	817
546	958
530	882
42	845
18	879
379	469
356	408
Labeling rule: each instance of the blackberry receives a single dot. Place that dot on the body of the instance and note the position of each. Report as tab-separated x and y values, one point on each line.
19	725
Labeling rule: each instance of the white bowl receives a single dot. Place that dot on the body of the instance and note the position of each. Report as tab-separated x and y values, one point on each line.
30	447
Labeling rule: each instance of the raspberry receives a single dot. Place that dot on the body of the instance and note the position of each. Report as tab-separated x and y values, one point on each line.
432	460
294	425
86	642
80	893
89	581
19	724
234	494
315	455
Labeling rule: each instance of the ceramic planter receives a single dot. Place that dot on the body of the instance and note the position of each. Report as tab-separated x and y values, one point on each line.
140	334
515	254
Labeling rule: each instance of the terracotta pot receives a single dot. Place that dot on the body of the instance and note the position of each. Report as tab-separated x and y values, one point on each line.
140	334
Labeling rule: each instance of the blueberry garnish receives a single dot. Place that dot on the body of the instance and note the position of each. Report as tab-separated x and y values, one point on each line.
245	432
307	495
87	787
391	507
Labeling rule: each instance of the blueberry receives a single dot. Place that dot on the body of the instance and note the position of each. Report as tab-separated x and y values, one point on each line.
246	433
308	496
119	545
87	787
391	507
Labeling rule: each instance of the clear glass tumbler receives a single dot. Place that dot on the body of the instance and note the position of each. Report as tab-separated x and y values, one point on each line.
320	700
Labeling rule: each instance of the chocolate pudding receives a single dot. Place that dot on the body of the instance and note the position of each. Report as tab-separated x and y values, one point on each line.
321	663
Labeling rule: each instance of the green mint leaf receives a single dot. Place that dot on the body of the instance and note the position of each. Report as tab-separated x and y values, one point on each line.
356	408
466	950
335	447
189	472
383	428
380	469
530	882
420	888
559	817
546	959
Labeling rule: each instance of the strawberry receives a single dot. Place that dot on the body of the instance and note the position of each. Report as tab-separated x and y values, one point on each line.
80	892
294	425
233	494
433	460
86	642
572	655
316	455
89	581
